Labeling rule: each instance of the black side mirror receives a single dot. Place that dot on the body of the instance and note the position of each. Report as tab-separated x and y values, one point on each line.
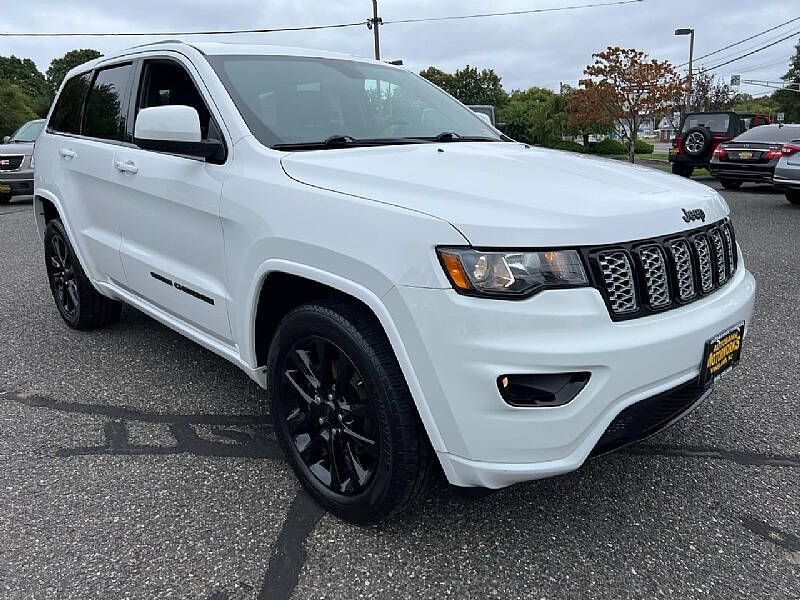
207	149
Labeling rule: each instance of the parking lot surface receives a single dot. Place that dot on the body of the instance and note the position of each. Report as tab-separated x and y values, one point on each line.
135	464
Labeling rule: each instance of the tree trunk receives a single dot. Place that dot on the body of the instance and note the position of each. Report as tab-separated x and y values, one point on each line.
586	140
631	148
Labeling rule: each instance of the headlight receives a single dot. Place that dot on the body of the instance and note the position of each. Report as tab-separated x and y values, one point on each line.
511	274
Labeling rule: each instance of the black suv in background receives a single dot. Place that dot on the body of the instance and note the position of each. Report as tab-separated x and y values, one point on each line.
701	132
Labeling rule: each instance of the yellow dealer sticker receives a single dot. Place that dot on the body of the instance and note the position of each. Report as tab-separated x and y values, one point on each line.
721	353
5	188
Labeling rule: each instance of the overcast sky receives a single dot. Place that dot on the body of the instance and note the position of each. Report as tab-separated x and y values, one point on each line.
538	49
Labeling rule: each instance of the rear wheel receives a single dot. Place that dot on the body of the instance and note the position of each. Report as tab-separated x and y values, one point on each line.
793	196
81	306
730	184
5	197
343	413
682	170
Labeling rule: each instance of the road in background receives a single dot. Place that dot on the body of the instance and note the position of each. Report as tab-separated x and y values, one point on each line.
136	464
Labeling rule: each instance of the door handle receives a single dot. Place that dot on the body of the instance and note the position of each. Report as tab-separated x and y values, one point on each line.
68	154
126	167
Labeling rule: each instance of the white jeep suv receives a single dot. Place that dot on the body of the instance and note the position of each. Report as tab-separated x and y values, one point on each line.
410	287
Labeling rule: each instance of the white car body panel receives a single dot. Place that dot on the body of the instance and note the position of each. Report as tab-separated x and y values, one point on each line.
366	222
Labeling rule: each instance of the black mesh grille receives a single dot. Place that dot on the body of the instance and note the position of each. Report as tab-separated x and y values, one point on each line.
640	278
10	162
648	416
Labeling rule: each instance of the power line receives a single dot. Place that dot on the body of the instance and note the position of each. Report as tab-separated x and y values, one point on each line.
727	62
164	33
506	14
748	48
747	39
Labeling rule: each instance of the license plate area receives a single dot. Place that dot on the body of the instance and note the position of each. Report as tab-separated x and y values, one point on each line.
4	189
721	354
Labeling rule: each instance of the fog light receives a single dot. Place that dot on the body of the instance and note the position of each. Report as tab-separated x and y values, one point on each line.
551	389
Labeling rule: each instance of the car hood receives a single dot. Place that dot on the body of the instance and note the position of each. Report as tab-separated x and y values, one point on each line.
510	195
16	148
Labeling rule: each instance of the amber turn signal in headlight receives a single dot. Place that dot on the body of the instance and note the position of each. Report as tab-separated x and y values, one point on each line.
511	274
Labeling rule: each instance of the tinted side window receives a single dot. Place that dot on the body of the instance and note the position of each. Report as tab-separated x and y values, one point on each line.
107	104
66	117
166	83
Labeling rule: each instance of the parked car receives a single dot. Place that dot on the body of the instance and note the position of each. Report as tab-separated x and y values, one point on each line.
701	132
751	156
384	269
787	171
16	161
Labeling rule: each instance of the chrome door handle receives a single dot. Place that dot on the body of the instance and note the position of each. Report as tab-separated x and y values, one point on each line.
126	167
68	154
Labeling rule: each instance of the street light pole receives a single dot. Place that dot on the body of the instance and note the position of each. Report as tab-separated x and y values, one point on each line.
690	33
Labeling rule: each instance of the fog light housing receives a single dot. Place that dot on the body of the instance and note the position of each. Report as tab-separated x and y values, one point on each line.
550	389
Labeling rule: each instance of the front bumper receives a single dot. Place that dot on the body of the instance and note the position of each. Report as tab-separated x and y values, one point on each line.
784	182
20	183
459	346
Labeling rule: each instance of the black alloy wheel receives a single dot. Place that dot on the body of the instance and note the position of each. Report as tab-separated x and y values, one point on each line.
63	279
343	413
329	418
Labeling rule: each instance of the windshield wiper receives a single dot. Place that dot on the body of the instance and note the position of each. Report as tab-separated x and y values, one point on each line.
452	136
341	140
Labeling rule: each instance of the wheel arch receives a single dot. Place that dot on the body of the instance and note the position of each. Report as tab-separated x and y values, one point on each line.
267	308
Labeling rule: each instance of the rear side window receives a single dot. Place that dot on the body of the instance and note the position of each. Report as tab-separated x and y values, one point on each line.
107	104
66	117
771	133
717	123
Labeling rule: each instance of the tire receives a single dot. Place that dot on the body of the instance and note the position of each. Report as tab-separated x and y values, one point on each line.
682	170
80	305
5	198
730	184
697	142
793	196
358	481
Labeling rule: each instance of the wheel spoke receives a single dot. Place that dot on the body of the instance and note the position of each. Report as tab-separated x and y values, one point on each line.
73	293
333	452
369	445
310	448
343	376
298	421
357	475
303	364
309	400
357	410
324	360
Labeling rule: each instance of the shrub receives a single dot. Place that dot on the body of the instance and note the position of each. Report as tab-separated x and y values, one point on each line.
568	145
610	147
642	147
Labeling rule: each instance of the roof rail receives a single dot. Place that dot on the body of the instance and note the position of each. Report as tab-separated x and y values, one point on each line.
157	43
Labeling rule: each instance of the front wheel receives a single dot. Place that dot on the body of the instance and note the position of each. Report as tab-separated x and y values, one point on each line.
682	170
5	197
793	196
343	413
730	184
81	306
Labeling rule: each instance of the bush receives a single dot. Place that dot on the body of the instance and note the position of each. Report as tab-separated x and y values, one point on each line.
610	147
568	145
642	147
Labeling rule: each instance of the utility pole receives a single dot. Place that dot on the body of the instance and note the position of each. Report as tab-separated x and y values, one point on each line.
373	24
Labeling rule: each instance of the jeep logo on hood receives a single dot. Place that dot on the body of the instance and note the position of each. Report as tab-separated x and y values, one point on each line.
694	215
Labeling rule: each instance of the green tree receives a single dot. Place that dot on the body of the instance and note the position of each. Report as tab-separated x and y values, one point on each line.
708	95
764	104
59	68
536	116
24	74
789	101
16	108
469	85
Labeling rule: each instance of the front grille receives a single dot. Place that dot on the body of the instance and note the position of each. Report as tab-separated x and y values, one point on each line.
618	277
655	275
10	162
640	278
648	416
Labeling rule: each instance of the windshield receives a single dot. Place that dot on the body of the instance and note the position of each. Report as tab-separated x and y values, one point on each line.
28	133
300	100
770	133
716	122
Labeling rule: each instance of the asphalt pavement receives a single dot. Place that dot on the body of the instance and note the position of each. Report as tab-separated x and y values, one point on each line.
135	464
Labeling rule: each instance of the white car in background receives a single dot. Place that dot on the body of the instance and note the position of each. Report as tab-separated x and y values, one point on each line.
787	171
410	287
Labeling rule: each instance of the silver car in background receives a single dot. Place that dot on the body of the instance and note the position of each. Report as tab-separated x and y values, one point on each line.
787	171
16	161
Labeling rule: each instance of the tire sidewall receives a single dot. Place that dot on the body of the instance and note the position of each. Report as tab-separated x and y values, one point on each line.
308	321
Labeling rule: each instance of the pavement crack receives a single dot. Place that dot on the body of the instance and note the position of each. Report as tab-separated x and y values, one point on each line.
289	553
